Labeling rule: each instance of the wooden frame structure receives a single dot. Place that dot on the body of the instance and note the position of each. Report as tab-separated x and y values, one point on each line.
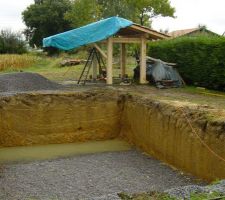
135	34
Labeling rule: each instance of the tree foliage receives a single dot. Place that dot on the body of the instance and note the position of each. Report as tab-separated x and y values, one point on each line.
139	11
115	8
83	12
11	43
45	18
145	10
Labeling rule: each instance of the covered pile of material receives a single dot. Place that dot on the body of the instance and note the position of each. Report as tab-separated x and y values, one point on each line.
24	81
160	73
163	75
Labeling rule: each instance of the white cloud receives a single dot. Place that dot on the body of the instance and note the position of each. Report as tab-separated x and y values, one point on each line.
10	13
191	13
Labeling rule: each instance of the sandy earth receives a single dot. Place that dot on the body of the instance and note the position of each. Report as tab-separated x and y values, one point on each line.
100	176
89	177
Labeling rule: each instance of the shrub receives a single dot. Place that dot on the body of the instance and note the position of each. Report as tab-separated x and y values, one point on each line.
200	60
11	43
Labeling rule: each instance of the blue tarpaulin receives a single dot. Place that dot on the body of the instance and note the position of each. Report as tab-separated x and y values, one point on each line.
88	34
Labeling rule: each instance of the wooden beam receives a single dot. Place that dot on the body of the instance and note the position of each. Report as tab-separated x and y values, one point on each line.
109	60
143	61
123	60
154	59
126	40
153	34
100	51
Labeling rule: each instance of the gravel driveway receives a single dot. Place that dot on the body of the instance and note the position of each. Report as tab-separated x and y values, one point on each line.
88	177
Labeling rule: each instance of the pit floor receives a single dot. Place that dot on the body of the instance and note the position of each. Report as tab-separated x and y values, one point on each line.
92	176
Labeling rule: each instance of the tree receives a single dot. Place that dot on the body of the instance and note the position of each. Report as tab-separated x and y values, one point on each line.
115	8
83	12
139	11
45	18
145	10
11	42
38	1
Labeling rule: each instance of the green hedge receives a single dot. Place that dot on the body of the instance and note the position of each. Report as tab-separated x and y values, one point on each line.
200	60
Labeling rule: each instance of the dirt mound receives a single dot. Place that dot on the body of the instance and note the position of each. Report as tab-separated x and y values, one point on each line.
23	81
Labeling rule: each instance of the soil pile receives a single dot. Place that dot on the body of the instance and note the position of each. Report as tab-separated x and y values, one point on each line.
24	81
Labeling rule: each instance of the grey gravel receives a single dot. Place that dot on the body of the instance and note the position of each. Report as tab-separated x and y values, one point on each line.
88	177
24	81
186	191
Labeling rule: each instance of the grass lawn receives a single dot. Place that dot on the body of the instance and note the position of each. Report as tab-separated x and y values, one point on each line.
51	69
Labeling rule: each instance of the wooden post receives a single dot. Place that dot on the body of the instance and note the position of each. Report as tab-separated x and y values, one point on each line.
143	61
109	61
123	56
95	68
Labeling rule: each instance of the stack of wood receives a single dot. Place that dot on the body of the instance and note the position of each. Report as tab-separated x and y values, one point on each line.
71	62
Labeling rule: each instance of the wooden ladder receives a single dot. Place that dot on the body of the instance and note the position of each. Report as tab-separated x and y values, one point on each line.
84	74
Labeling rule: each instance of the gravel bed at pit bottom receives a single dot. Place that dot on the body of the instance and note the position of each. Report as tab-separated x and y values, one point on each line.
88	177
186	191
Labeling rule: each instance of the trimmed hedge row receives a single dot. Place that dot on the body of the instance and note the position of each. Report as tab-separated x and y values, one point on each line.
200	60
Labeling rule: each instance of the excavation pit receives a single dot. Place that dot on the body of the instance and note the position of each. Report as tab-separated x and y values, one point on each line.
155	127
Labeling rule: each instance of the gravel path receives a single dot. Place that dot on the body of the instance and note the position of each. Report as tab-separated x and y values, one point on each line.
88	177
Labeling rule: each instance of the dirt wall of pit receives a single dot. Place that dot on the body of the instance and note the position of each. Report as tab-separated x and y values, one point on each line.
157	128
29	119
162	131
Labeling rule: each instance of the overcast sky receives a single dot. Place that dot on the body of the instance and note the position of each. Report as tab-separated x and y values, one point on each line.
189	14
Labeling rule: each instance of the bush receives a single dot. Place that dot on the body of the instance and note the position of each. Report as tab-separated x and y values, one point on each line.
11	43
200	60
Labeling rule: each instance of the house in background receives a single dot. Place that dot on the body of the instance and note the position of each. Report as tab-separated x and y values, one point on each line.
200	31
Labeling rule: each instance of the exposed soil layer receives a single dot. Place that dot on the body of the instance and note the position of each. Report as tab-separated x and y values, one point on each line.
28	119
88	177
152	122
163	130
